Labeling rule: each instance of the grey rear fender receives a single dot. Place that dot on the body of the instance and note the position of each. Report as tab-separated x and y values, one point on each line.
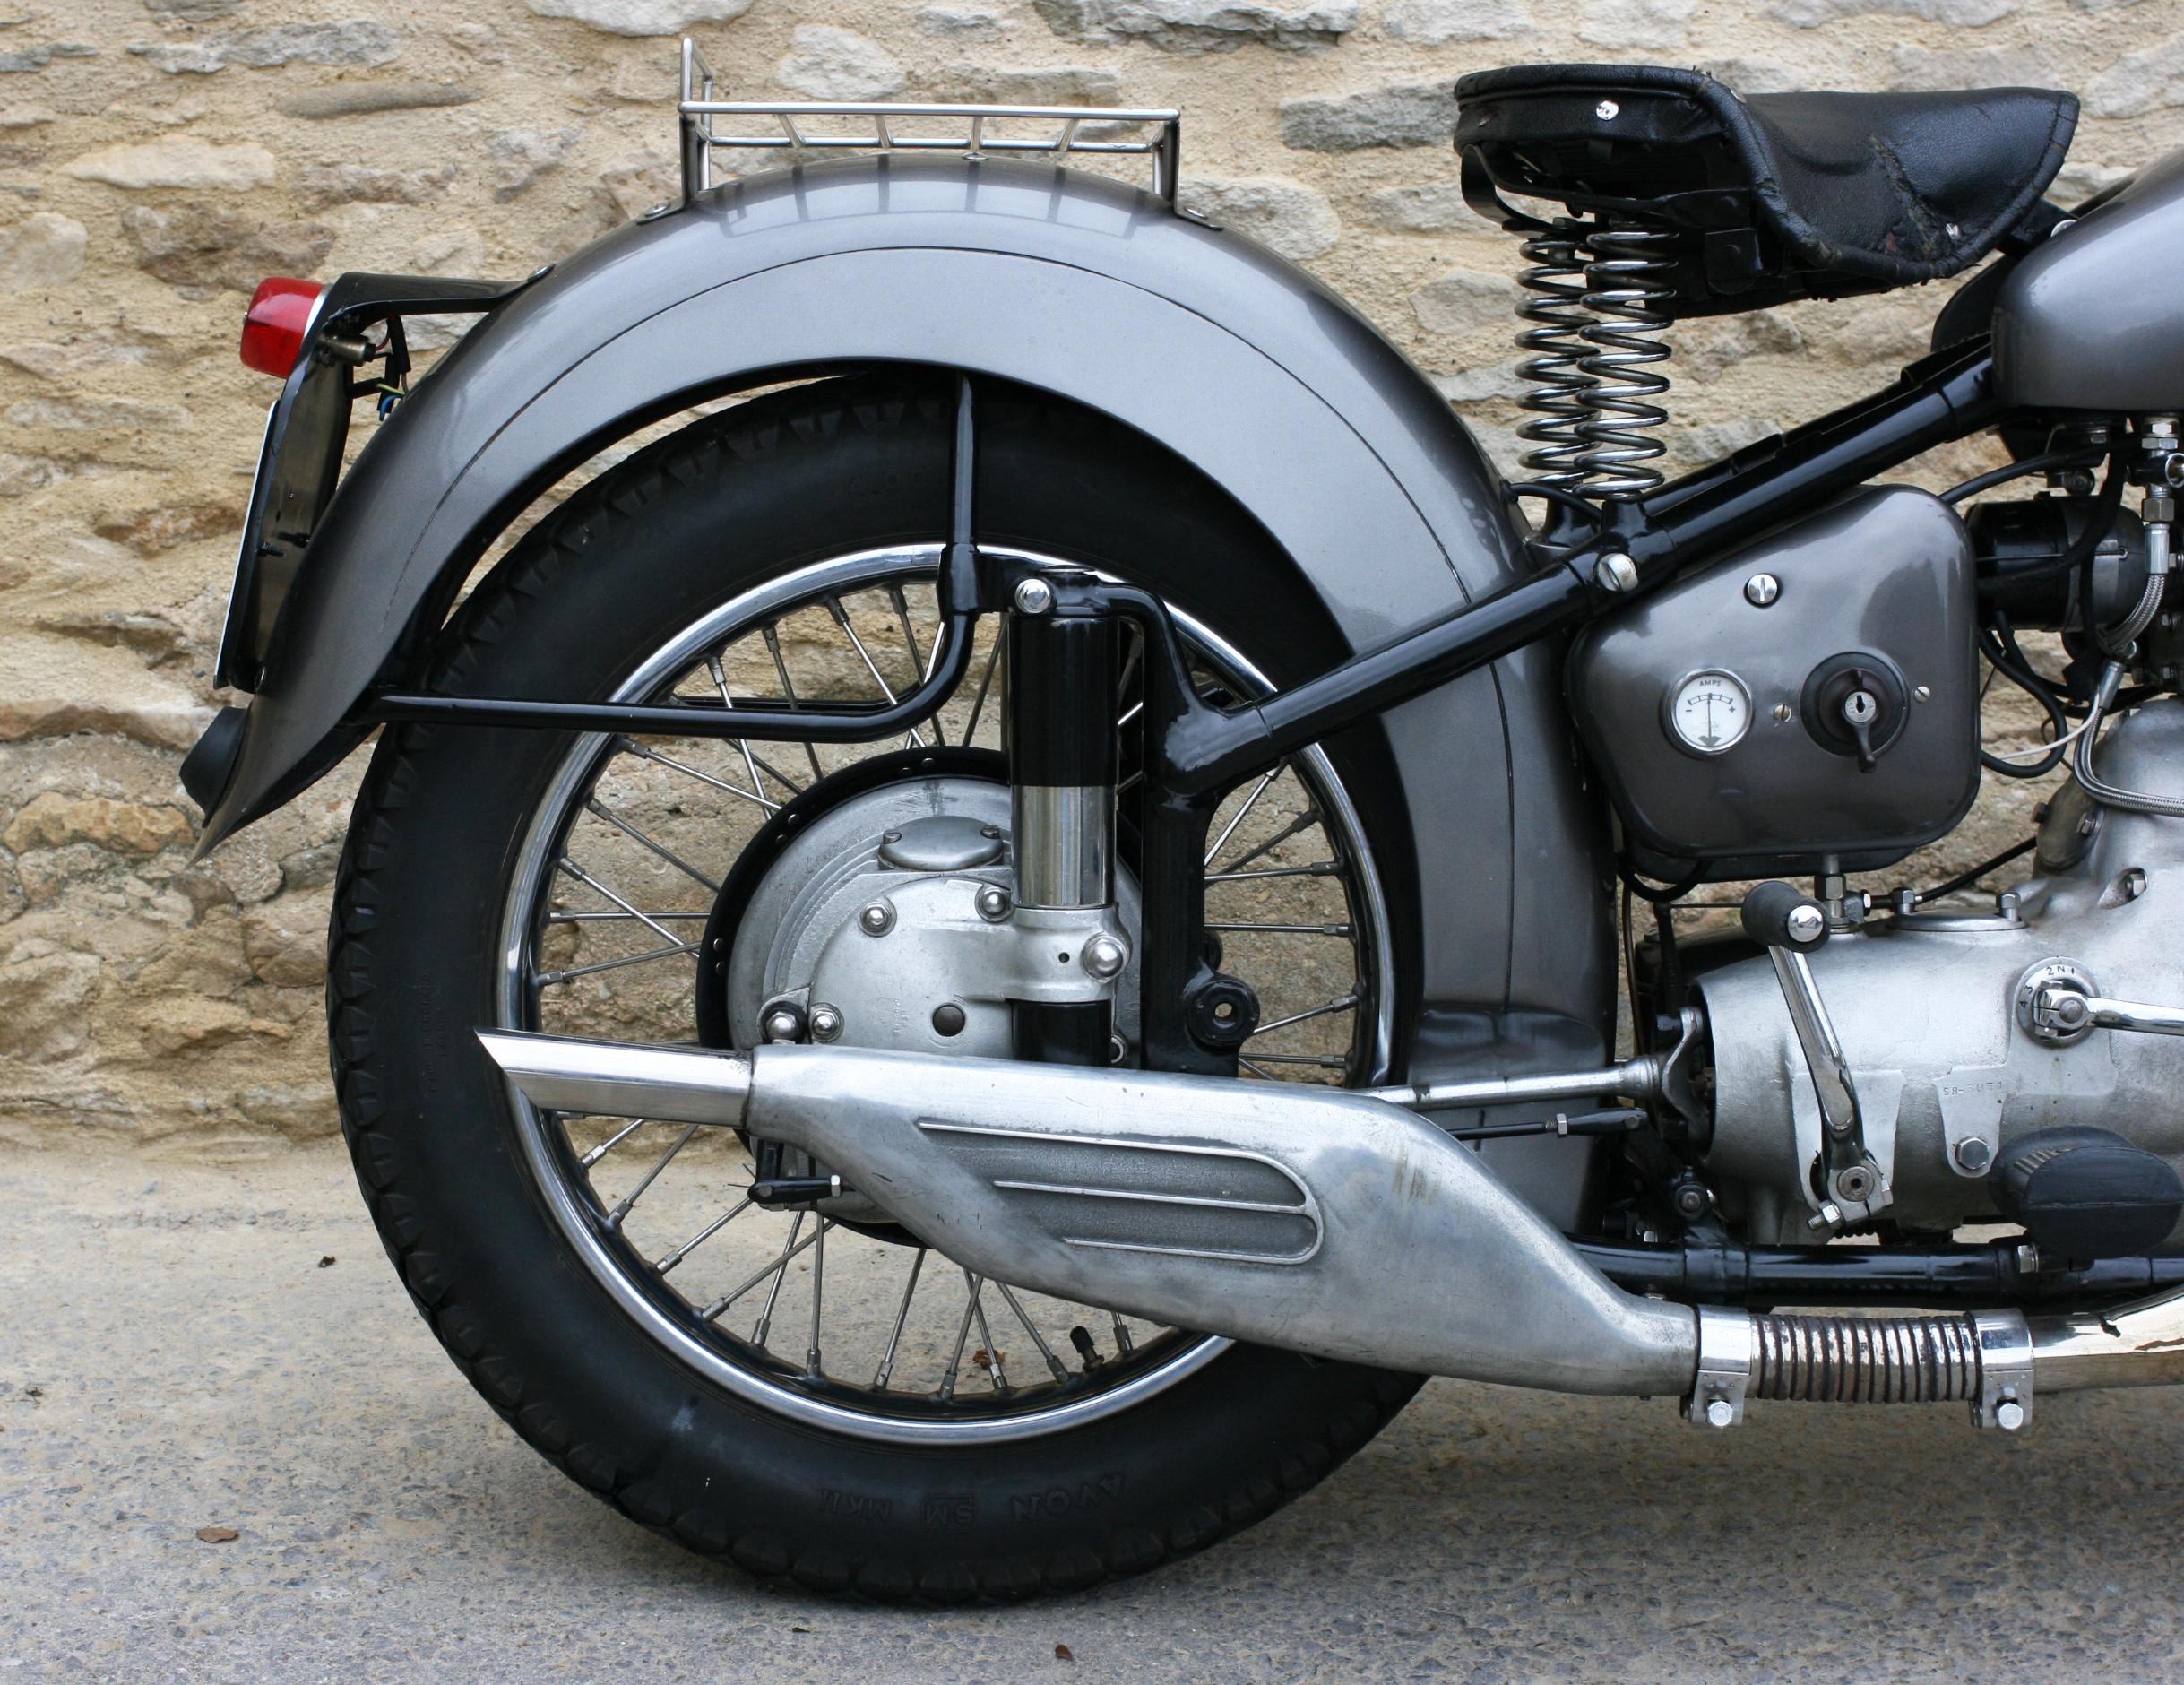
1232	358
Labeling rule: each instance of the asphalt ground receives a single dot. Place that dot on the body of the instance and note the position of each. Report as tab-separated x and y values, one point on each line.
175	1356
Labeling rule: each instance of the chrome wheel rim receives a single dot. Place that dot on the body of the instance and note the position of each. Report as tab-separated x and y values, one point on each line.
1255	854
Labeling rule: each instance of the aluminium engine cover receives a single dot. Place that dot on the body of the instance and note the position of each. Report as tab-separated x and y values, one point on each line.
1724	713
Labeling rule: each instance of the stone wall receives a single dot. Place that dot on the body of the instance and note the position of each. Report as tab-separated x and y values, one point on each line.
159	156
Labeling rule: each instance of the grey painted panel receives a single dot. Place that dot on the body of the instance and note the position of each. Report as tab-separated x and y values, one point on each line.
1889	572
1226	354
2094	319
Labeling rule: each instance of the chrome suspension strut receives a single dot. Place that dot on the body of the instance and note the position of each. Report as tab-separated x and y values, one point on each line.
1600	292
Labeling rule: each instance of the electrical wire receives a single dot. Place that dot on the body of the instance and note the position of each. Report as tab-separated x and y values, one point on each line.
2046	462
1964	880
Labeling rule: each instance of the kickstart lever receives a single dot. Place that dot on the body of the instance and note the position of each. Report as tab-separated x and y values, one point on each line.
1790	925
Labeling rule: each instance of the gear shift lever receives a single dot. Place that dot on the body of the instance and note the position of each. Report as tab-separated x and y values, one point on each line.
1790	925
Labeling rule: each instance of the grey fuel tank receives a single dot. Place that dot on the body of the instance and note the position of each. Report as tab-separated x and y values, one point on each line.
2093	319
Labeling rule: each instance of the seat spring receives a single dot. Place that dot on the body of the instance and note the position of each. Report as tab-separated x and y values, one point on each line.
1600	291
1559	348
1625	291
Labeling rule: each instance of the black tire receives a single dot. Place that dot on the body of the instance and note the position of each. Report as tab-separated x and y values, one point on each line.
822	469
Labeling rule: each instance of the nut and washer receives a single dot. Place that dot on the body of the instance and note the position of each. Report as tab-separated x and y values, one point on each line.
878	919
784	1023
1104	955
1974	1154
1761	590
993	904
825	1022
1615	572
1033	596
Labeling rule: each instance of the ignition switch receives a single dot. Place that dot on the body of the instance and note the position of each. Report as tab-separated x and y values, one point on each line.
1855	704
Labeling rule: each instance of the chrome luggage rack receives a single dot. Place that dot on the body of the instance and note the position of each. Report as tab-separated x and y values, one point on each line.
699	108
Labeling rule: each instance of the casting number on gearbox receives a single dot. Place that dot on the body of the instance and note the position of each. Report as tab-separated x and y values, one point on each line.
1709	712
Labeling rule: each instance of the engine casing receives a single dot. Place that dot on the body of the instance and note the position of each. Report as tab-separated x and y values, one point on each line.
1926	1006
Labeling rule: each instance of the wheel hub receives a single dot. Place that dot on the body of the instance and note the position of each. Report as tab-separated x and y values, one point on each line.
887	918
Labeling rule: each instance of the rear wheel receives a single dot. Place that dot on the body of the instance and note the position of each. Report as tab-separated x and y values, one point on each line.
812	1392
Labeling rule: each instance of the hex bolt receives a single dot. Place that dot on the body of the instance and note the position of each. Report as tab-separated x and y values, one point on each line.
783	1022
1721	1413
2006	903
878	919
825	1022
2009	1415
1762	589
1104	955
1972	1153
1033	596
993	904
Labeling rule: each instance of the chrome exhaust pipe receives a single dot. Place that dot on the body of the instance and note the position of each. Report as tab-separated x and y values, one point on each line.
1309	1219
1332	1223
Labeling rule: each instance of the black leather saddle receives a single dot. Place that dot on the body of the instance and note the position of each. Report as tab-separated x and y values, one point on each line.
1782	196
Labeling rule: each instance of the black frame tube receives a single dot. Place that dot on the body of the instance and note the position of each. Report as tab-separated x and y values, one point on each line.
1716	1271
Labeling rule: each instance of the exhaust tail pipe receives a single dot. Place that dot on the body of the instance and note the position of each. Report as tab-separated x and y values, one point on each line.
1309	1219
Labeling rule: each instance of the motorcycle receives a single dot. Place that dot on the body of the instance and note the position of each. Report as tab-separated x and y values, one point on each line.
952	977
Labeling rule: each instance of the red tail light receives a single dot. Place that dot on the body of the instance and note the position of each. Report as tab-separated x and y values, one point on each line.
274	326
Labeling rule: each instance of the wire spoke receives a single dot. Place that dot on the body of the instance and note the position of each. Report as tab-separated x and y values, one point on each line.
704	1235
594	884
781	1274
1318	868
612	1142
994	1371
1281	929
772	637
645	751
818	1285
1239	816
750	761
842	619
1304	821
963	1336
1055	1366
614	1217
901	1315
563	916
599	809
546	980
993	660
1324	1061
1340	1003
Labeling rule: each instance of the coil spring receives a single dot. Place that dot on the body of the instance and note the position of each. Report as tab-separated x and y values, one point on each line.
1557	256
1599	292
1865	1359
